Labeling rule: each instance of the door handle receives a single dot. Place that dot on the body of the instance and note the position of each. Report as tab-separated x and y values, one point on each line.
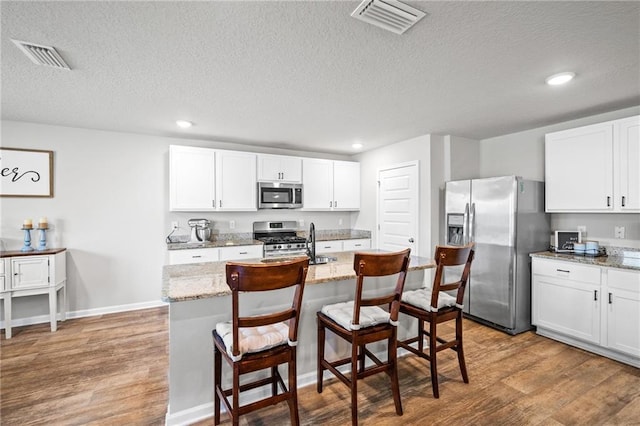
623	200
595	294
410	240
472	223
465	225
610	300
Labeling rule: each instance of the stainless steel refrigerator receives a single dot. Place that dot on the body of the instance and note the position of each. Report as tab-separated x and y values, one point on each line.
505	218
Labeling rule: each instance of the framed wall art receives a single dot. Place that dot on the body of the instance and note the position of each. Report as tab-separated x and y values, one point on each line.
26	173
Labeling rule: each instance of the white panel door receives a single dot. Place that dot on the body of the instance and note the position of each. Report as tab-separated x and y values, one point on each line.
398	201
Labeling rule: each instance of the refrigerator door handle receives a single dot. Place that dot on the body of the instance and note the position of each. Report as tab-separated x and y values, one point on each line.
472	223
465	225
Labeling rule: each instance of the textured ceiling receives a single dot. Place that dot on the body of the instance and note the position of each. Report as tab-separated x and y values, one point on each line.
307	76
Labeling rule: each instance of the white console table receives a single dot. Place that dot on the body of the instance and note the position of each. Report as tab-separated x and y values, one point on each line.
32	273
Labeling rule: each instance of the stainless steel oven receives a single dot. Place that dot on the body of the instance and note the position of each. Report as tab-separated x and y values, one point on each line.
280	238
276	195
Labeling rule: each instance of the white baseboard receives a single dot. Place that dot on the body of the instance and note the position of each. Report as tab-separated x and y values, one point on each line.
42	319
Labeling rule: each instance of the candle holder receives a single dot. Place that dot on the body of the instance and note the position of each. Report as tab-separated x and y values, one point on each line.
42	244
27	239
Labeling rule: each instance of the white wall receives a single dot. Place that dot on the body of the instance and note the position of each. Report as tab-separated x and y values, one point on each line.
110	209
372	161
522	154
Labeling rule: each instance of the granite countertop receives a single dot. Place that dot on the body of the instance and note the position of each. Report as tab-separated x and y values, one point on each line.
610	261
204	280
246	239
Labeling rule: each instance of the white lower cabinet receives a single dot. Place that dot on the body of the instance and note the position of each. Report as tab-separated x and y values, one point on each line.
179	257
622	310
240	252
591	307
328	246
355	245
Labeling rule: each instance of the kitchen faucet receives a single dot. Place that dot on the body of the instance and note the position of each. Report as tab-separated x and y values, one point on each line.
311	244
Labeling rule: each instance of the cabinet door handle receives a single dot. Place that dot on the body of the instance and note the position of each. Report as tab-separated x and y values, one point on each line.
559	270
357	245
330	203
610	299
335	203
243	252
623	200
213	203
196	257
595	294
220	203
608	201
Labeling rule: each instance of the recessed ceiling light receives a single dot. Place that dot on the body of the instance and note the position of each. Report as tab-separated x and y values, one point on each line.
184	124
356	146
562	78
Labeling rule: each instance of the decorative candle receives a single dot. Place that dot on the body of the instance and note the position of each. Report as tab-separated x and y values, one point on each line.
27	223
42	223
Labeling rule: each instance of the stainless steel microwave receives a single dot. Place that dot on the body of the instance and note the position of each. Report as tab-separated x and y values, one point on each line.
276	195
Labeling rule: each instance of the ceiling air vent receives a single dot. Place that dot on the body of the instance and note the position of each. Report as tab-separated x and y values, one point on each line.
388	14
42	55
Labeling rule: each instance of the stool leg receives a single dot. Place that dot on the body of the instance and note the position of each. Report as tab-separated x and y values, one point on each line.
217	372
432	354
460	350
420	335
320	354
354	383
274	380
393	367
235	392
293	389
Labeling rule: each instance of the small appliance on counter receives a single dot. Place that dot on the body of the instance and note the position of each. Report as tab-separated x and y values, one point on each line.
200	230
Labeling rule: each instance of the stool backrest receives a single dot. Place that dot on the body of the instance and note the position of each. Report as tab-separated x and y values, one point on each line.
378	265
251	277
447	257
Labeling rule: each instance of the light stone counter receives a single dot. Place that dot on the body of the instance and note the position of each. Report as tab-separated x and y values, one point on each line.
203	280
199	298
621	262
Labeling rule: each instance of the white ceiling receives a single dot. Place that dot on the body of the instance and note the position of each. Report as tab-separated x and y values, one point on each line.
305	75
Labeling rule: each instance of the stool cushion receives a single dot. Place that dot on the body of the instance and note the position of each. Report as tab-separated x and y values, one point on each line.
253	339
421	298
342	313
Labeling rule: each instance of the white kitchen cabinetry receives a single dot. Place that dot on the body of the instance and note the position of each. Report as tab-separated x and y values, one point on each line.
331	185
203	179
241	252
196	255
33	274
566	299
594	308
627	150
191	178
355	245
279	168
328	246
594	168
622	311
236	181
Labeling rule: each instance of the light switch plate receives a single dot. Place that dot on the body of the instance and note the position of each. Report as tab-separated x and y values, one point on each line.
619	231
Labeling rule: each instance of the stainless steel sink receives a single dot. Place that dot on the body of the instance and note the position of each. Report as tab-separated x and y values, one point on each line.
321	260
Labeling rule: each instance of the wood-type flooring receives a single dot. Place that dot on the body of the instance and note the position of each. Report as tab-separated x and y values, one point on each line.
112	370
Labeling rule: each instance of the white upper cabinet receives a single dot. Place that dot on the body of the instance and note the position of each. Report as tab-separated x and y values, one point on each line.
279	168
331	185
236	181
191	179
594	168
346	185
627	144
203	179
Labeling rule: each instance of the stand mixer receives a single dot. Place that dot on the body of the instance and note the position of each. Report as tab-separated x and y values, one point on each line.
200	230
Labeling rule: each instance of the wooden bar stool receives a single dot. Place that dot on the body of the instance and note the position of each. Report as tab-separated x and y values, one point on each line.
435	306
255	343
363	321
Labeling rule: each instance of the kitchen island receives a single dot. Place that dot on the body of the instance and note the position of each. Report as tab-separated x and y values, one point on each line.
199	298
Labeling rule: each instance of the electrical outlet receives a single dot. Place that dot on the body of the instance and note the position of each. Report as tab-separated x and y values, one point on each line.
340	221
619	232
301	223
232	224
174	224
